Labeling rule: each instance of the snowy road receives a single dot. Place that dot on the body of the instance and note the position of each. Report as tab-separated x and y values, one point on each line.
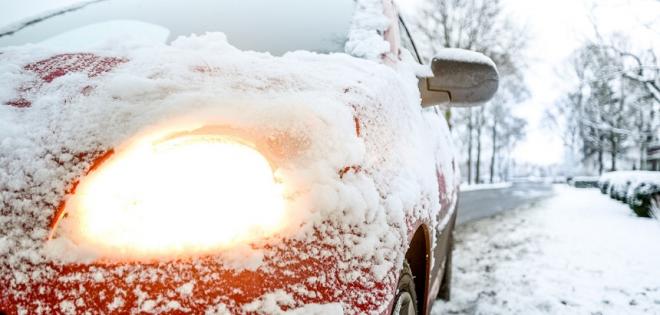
578	252
483	203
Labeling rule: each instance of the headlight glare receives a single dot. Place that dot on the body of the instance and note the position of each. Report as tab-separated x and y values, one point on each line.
187	195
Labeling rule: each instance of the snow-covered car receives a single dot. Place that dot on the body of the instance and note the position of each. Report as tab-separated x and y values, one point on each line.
302	168
584	181
639	189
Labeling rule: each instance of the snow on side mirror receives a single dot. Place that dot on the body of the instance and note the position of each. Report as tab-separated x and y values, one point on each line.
461	78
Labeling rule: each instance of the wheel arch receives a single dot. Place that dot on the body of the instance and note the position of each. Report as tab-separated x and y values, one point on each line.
418	255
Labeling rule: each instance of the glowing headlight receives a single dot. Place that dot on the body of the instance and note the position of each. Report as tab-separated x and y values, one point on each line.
187	195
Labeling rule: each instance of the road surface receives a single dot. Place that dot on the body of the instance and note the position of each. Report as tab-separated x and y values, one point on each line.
578	252
479	204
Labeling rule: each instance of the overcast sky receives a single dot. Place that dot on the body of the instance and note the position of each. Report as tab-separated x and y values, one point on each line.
557	27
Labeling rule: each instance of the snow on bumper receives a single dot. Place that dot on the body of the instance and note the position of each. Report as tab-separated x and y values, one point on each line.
293	274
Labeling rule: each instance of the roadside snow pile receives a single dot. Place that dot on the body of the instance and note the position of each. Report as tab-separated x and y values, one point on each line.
577	253
344	134
639	189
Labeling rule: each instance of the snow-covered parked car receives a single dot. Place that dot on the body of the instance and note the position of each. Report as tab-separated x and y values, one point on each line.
584	181
639	189
302	168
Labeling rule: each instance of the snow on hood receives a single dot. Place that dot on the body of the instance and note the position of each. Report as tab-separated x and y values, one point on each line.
359	163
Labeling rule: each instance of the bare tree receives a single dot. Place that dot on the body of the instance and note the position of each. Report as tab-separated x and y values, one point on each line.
612	107
480	126
470	128
506	130
479	25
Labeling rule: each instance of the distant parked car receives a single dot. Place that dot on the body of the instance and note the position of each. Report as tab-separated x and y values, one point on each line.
604	185
583	181
639	189
643	199
619	190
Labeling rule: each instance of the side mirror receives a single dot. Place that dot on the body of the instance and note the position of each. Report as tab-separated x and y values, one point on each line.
461	77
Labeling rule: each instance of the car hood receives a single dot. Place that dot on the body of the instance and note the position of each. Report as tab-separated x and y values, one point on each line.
345	131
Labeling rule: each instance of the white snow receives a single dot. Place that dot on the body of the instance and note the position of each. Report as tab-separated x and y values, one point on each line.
649	176
623	178
4	245
117	302
270	303
456	54
273	303
67	307
318	309
577	253
365	40
309	103
219	309
186	289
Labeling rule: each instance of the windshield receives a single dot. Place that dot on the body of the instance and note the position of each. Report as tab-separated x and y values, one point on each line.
259	25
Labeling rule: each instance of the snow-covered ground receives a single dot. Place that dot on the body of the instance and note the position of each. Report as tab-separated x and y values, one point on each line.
577	253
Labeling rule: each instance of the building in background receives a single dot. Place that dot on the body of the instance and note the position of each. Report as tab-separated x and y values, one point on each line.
653	157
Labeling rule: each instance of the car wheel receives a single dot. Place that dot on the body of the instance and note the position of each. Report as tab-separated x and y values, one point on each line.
405	302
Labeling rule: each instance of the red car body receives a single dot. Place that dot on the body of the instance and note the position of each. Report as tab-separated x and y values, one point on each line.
307	271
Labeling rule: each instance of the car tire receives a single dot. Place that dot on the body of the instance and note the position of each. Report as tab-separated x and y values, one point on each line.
405	301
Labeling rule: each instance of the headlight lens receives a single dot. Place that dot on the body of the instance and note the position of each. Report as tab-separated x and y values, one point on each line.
188	195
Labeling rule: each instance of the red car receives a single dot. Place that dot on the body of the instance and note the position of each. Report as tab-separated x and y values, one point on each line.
287	159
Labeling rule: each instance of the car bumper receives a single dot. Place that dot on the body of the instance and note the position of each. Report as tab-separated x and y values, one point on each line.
291	275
